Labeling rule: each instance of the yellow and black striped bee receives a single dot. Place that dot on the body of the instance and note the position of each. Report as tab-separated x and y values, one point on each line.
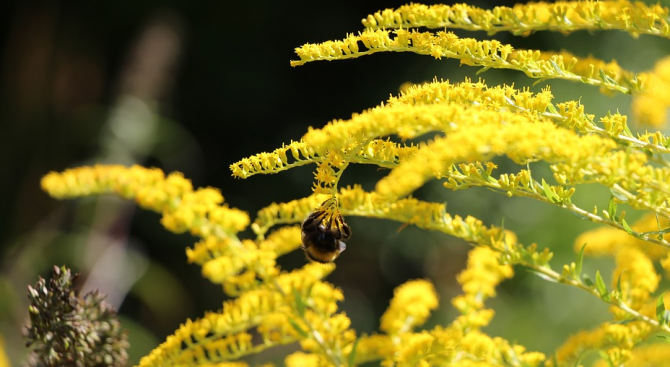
324	233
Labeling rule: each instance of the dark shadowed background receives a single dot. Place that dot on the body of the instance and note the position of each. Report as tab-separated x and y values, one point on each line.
194	86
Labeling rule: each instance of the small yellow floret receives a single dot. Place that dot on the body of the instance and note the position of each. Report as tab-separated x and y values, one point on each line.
411	305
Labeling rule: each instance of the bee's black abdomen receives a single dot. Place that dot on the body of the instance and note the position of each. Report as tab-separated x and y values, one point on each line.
323	235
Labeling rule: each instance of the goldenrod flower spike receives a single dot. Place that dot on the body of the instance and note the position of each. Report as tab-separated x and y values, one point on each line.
285	213
606	241
300	359
225	335
499	133
617	339
201	211
277	161
575	159
523	19
651	107
497	97
374	347
487	54
410	306
647	355
570	114
635	276
480	278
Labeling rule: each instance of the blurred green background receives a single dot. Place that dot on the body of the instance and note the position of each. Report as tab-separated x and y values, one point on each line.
194	86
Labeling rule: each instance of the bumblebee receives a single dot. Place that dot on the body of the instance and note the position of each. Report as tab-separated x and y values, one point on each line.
324	233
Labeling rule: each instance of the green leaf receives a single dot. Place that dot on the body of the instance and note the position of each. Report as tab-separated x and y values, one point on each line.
540	81
605	78
660	307
548	193
601	287
580	261
618	194
665	338
626	130
626	227
587	280
297	328
299	302
557	68
482	70
352	355
611	209
543	276
579	215
662	231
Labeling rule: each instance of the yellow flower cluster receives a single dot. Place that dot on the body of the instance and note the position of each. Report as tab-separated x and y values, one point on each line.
410	306
201	211
522	19
609	241
4	361
651	107
469	124
277	160
647	355
487	54
616	340
297	304
459	344
634	282
479	280
636	277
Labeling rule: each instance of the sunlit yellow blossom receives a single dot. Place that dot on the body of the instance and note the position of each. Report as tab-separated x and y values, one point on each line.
561	16
570	114
4	361
476	93
275	327
286	213
201	211
472	319
259	260
483	273
282	241
374	347
651	107
299	359
636	277
488	54
225	364
433	216
452	132
411	305
434	347
497	350
608	241
497	134
276	161
226	348
620	336
657	355
471	363
210	248
305	277
413	350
